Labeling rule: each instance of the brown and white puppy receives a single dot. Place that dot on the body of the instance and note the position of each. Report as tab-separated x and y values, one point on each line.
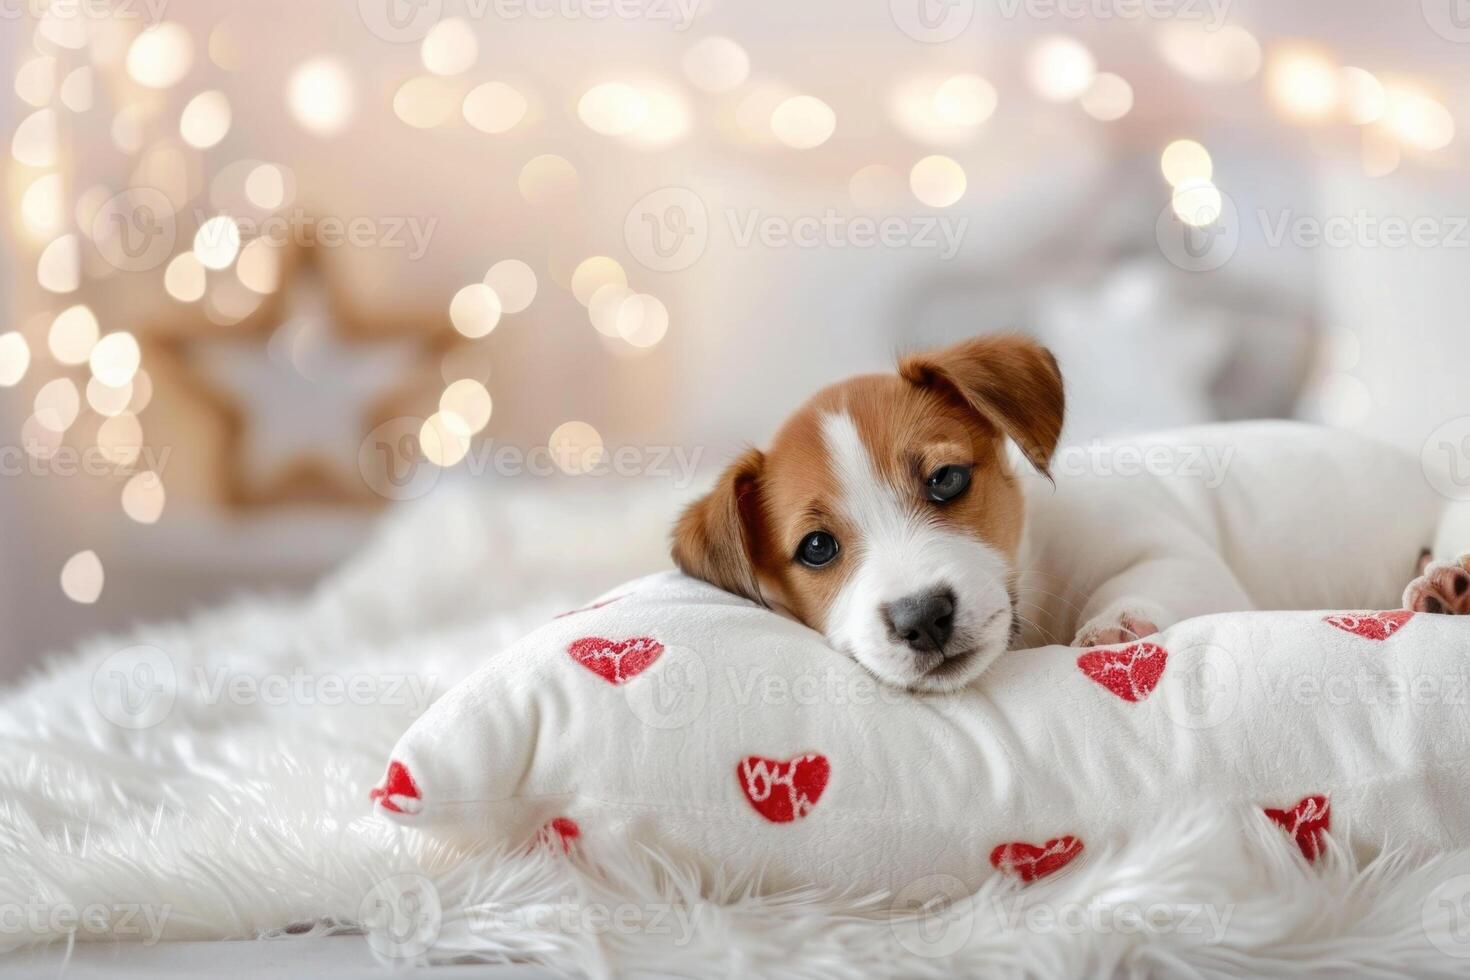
885	512
888	515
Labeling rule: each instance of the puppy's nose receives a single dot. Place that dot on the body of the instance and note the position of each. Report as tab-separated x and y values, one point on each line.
923	620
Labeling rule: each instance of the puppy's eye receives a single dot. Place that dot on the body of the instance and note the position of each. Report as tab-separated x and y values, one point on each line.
817	549
947	483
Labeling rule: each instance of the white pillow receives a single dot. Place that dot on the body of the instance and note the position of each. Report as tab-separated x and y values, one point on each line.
672	713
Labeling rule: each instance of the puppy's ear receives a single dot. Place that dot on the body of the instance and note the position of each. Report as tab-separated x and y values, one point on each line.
1009	379
713	540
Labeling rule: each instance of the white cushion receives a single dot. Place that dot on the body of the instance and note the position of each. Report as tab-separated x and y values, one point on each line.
671	713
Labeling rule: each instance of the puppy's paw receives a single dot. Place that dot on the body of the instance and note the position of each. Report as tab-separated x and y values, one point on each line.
1444	587
1124	624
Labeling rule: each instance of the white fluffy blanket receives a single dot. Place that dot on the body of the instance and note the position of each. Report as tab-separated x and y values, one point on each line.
213	785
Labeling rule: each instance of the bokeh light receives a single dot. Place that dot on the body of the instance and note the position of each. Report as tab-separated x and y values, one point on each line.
115	359
15	358
469	400
514	282
716	64
1108	98
56	404
938	181
575	447
320	96
161	55
803	122
143	497
205	120
184	278
612	108
424	102
450	47
1303	82
494	107
475	310
217	242
594	273
1185	160
82	578
1060	68
73	334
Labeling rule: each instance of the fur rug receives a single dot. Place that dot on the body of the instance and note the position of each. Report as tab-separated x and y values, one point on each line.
237	809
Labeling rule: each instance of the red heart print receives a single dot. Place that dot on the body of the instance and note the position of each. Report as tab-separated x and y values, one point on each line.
561	831
616	661
1306	823
1029	862
1131	673
1371	626
783	791
397	793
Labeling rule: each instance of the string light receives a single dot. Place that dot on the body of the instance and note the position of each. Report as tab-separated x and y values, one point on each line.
115	359
424	102
320	96
15	358
468	400
1184	160
108	401
56	404
803	122
1303	83
475	310
184	278
938	181
259	266
82	578
41	208
35	141
1197	202
73	334
1362	96
205	120
450	47
605	306
514	282
76	89
1108	98
143	497
444	439
59	268
612	109
643	320
1060	68
217	242
575	448
1228	55
494	107
716	64
594	273
548	179
874	186
160	56
265	186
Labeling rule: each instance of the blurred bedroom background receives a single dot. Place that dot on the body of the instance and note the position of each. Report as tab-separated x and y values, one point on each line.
273	268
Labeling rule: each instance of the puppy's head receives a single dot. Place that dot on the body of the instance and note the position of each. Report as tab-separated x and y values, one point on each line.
885	513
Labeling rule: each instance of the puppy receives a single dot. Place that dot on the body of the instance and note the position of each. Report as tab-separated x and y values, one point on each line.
889	515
